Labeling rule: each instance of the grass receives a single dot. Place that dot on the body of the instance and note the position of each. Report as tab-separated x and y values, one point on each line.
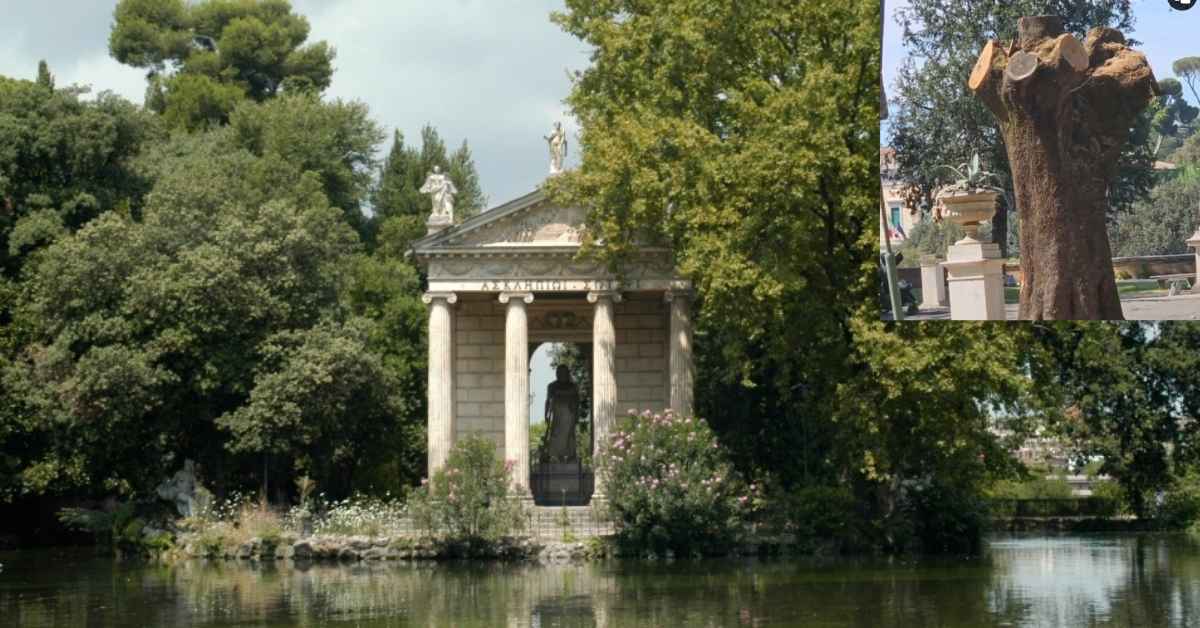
1134	287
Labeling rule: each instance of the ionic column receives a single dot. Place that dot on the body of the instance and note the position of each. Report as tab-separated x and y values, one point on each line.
682	373
441	377
604	373
516	387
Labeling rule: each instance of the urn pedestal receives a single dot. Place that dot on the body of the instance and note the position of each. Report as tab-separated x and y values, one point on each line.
975	269
933	283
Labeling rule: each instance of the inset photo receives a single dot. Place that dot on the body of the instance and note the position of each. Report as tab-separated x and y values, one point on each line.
1040	161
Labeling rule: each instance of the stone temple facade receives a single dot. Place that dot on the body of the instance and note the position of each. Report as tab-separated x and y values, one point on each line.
508	280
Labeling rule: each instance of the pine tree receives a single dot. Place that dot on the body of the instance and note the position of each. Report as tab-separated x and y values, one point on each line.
470	200
397	193
433	151
45	78
400	208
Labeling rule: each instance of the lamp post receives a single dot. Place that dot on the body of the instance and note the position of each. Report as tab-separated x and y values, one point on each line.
889	258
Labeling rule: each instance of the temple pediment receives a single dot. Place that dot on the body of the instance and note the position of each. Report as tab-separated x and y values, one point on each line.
531	244
531	220
544	224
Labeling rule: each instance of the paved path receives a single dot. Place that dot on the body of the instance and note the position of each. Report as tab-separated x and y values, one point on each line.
1185	307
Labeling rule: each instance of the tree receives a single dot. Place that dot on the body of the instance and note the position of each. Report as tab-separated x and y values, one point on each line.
45	78
1065	110
934	120
698	130
1119	391
385	288
1163	224
1171	117
1188	68
334	140
228	50
470	199
212	322
63	161
929	417
400	209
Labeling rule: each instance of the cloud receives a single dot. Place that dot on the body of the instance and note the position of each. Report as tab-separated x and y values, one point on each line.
492	73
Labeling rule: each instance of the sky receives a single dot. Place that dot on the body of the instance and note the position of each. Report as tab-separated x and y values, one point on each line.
1166	35
493	73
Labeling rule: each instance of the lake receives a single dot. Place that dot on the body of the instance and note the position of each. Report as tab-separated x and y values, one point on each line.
1093	580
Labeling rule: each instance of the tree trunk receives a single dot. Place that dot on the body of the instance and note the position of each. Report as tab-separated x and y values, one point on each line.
1065	110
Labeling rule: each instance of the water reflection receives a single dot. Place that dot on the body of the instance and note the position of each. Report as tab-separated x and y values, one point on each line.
1066	581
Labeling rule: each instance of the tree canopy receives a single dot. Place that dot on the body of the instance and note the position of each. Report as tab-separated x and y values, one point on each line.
400	209
217	310
64	160
746	138
204	57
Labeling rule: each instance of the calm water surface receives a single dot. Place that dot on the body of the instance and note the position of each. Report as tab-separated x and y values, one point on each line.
1117	580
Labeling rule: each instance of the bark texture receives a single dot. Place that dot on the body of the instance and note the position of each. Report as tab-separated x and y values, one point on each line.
1065	110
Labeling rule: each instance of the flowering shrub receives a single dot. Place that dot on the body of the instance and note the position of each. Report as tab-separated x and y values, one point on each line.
468	499
670	486
359	515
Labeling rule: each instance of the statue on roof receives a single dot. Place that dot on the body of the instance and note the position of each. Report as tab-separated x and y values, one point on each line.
441	190
558	148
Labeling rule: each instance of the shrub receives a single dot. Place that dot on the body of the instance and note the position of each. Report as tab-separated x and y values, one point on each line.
257	520
818	516
1180	504
946	518
359	515
470	499
670	486
1110	493
1035	488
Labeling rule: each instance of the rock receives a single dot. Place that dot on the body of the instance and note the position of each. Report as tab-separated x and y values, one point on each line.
302	550
375	553
349	554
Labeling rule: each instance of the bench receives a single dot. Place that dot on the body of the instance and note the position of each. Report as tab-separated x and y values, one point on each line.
1178	282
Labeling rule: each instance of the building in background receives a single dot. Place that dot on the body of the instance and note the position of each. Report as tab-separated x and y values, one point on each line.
901	218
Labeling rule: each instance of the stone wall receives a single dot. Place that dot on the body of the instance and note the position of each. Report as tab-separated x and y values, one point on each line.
479	367
642	374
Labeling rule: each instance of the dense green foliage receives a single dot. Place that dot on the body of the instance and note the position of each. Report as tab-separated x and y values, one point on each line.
470	499
204	58
745	136
204	294
1162	224
217	310
64	160
1125	393
400	208
671	487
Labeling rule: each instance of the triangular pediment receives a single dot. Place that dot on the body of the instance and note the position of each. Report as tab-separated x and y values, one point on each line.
529	221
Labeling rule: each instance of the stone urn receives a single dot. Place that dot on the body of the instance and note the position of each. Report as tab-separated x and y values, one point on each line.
968	209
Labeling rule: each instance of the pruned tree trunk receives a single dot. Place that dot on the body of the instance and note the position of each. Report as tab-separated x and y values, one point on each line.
1065	110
